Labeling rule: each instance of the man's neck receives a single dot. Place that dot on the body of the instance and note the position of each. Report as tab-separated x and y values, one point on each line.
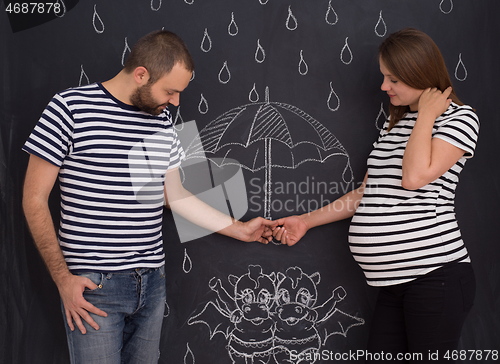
121	87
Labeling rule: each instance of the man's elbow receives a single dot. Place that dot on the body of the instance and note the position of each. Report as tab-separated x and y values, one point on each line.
26	202
30	206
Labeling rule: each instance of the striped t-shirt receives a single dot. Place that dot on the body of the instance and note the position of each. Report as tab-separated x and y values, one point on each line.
113	159
396	234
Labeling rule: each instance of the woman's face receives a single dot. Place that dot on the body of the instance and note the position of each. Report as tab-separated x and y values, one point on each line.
399	93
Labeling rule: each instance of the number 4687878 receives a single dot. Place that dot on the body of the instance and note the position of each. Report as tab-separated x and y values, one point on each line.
33	8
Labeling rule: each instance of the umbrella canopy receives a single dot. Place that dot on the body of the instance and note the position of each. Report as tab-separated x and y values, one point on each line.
266	135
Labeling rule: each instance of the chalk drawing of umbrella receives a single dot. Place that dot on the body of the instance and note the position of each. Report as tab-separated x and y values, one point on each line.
267	135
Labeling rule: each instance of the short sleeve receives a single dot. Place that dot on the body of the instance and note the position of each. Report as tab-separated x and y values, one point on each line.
461	129
177	154
51	139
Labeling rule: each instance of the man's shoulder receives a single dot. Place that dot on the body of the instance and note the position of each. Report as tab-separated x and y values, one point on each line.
80	90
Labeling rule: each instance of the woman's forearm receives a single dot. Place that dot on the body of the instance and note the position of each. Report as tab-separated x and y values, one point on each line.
340	209
418	153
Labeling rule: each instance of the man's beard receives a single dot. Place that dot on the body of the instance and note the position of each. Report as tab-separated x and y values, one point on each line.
143	100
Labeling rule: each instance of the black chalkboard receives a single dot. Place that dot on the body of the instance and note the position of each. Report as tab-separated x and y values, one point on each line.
308	62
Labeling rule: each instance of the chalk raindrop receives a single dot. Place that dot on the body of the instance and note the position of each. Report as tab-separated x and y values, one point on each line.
460	70
206	42
331	16
97	21
346	54
380	27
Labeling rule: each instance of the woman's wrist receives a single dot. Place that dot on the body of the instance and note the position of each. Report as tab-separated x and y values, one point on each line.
307	219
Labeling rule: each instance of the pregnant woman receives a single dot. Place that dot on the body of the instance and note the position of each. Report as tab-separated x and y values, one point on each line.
404	234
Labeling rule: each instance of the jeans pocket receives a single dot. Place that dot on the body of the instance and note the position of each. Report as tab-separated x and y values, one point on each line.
96	278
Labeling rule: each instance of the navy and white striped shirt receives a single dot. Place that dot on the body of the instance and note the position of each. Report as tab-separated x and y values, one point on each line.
396	234
113	159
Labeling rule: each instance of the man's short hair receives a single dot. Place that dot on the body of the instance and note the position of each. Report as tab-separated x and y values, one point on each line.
158	52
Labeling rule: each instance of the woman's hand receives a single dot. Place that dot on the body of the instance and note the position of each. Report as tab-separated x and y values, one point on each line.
434	102
290	229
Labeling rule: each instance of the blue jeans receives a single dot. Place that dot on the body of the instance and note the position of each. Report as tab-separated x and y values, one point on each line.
135	303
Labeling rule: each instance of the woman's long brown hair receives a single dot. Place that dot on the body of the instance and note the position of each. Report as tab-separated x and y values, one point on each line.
414	59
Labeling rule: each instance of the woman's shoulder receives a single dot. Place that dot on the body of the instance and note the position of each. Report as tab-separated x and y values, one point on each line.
455	109
458	122
459	113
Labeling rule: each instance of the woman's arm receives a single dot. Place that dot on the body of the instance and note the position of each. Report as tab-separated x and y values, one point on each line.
426	158
292	228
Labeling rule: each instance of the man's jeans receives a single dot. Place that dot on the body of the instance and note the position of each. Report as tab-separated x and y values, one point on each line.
135	302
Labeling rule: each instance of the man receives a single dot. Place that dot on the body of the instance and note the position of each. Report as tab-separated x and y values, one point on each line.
114	150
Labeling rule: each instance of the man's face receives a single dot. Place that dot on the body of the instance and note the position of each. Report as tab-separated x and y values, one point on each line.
154	98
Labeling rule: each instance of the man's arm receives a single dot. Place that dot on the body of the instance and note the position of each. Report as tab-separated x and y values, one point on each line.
182	202
40	178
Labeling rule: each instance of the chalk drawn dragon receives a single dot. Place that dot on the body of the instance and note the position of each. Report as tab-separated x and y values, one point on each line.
274	318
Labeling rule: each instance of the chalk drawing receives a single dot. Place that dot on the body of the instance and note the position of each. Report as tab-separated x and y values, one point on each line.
460	70
126	51
380	27
331	16
331	105
189	356
260	54
346	50
449	6
83	76
97	21
253	96
206	42
62	12
187	264
303	67
167	310
224	74
266	135
273	317
155	7
381	117
291	20
232	28
178	121
203	105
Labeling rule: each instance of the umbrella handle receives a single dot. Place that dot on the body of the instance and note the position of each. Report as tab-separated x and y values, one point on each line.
268	189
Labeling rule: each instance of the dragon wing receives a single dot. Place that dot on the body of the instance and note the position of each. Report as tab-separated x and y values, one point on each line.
216	318
337	323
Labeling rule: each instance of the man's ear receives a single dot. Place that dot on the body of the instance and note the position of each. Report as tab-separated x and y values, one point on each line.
141	75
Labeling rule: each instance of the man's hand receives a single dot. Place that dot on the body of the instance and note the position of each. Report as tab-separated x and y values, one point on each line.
290	229
75	306
257	229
